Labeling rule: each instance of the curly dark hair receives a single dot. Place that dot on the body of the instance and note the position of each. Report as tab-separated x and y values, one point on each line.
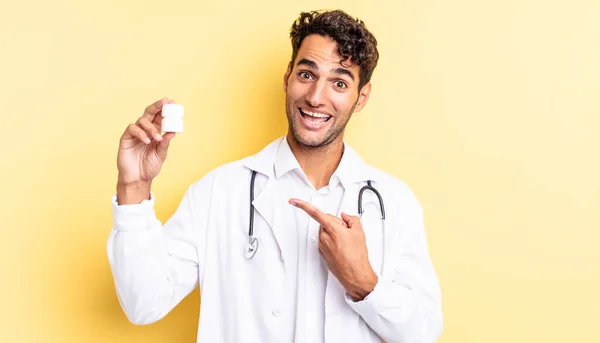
354	41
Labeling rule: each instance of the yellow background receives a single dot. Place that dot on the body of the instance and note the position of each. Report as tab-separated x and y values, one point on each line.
487	109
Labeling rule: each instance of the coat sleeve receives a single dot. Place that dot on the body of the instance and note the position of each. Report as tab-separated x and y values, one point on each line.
405	305
154	266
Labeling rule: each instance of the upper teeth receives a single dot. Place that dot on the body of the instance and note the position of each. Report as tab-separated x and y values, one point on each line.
317	115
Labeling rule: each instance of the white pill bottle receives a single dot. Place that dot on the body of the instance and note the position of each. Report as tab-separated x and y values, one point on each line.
172	118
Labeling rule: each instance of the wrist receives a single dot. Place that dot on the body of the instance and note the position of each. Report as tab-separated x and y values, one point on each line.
363	287
133	192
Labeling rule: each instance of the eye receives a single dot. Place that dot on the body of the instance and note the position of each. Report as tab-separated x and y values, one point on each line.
341	84
305	75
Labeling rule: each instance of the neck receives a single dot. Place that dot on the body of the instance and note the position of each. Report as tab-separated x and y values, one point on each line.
317	163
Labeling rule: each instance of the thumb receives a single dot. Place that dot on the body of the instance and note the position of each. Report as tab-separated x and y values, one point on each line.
350	220
163	145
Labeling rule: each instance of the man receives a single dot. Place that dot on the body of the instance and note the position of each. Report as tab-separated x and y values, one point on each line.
300	267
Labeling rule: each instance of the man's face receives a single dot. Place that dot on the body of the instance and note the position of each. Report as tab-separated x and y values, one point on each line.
321	93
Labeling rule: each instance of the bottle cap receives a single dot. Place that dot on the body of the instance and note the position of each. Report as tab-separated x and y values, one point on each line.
172	110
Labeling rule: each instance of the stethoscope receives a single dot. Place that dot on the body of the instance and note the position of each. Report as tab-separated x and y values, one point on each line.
252	246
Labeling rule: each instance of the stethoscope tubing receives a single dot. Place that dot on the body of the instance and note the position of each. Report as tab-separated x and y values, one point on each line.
252	245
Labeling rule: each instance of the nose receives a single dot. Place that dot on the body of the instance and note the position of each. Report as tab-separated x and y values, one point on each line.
316	94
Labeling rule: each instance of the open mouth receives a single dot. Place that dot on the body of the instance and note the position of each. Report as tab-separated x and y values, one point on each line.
314	118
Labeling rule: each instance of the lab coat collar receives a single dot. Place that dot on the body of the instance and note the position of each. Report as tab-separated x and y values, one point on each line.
285	161
352	167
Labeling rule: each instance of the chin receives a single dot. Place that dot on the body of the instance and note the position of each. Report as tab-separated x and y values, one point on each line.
308	140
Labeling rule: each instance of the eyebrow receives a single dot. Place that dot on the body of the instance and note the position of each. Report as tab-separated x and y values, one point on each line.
313	64
343	71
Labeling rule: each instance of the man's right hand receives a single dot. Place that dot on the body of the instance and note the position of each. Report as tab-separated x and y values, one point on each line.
142	151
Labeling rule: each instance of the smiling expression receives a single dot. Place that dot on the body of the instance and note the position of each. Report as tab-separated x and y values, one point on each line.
321	93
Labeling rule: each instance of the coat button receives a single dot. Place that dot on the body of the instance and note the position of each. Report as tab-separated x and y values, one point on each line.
313	239
276	313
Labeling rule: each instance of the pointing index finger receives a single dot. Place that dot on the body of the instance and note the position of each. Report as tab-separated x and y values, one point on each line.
311	210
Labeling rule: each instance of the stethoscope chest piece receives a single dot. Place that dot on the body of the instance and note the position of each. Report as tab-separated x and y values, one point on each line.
251	248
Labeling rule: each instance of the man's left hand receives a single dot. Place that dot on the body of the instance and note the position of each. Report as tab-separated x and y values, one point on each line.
343	245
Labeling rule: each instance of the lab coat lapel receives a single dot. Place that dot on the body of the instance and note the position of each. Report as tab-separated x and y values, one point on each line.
267	198
265	204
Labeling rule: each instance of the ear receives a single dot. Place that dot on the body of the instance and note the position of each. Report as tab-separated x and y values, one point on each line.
286	77
363	97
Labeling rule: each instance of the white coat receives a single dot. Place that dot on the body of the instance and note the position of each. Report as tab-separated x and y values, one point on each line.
155	267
